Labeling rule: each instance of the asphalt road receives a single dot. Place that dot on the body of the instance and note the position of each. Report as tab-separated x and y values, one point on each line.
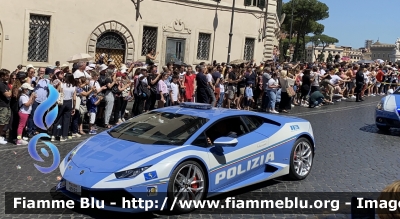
351	156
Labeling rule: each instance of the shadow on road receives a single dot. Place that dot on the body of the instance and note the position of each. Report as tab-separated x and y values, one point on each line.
371	128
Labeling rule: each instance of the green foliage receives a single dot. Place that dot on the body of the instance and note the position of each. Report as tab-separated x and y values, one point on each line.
306	13
323	40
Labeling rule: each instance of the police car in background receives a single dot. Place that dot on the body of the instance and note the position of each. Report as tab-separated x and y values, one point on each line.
387	113
186	152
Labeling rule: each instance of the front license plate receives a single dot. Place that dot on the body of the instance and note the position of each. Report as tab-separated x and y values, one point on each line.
73	187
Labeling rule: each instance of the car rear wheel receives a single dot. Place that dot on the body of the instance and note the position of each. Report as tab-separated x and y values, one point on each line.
383	128
187	183
301	159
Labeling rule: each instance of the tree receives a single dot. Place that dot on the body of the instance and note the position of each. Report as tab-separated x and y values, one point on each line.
286	44
323	40
306	13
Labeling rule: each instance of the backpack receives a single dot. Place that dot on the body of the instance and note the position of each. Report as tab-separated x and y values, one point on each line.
143	91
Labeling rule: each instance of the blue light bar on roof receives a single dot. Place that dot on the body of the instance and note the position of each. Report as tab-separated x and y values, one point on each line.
196	105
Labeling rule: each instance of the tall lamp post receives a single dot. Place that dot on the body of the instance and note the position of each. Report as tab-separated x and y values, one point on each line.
230	33
291	27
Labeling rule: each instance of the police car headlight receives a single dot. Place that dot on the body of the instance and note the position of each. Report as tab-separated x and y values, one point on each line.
379	106
73	152
131	173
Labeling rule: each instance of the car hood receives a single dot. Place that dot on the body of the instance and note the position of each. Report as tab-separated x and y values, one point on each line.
391	102
105	154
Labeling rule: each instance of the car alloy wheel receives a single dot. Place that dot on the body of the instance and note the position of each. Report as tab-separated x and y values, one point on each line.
187	183
301	159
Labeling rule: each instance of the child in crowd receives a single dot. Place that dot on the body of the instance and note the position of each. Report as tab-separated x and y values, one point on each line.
94	100
25	104
174	91
249	95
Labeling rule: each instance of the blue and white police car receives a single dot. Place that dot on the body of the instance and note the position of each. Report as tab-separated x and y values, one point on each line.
186	152
387	113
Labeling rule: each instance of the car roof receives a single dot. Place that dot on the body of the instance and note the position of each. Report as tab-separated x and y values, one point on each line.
218	113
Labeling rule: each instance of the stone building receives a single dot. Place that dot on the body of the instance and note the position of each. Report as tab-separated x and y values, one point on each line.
352	55
42	32
314	52
386	51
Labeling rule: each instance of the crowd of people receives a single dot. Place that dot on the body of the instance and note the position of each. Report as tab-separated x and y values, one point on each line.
97	94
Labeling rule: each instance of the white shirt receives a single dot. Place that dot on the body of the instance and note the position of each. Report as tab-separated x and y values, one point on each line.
209	78
78	73
335	79
174	91
68	91
322	71
95	84
24	109
316	77
272	82
366	74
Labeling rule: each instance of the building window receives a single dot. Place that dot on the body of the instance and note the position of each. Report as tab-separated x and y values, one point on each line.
149	39
203	46
256	3
383	55
249	49
39	36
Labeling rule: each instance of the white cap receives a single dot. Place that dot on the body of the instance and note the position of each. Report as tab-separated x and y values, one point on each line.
88	68
103	67
390	91
30	66
93	66
27	86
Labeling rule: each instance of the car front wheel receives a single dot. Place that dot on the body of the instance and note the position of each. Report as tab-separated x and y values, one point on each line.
186	183
301	159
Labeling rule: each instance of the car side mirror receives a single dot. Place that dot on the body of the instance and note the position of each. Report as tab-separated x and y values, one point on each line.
225	142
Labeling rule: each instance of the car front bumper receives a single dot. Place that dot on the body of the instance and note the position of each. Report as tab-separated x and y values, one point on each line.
388	119
134	199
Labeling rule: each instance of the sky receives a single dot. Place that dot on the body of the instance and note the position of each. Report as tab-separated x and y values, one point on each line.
354	21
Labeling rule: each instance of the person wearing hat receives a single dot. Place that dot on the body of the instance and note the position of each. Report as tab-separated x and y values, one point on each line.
21	76
49	73
25	102
65	68
29	66
81	71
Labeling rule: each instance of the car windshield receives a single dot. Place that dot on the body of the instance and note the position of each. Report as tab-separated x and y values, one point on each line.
397	91
159	128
